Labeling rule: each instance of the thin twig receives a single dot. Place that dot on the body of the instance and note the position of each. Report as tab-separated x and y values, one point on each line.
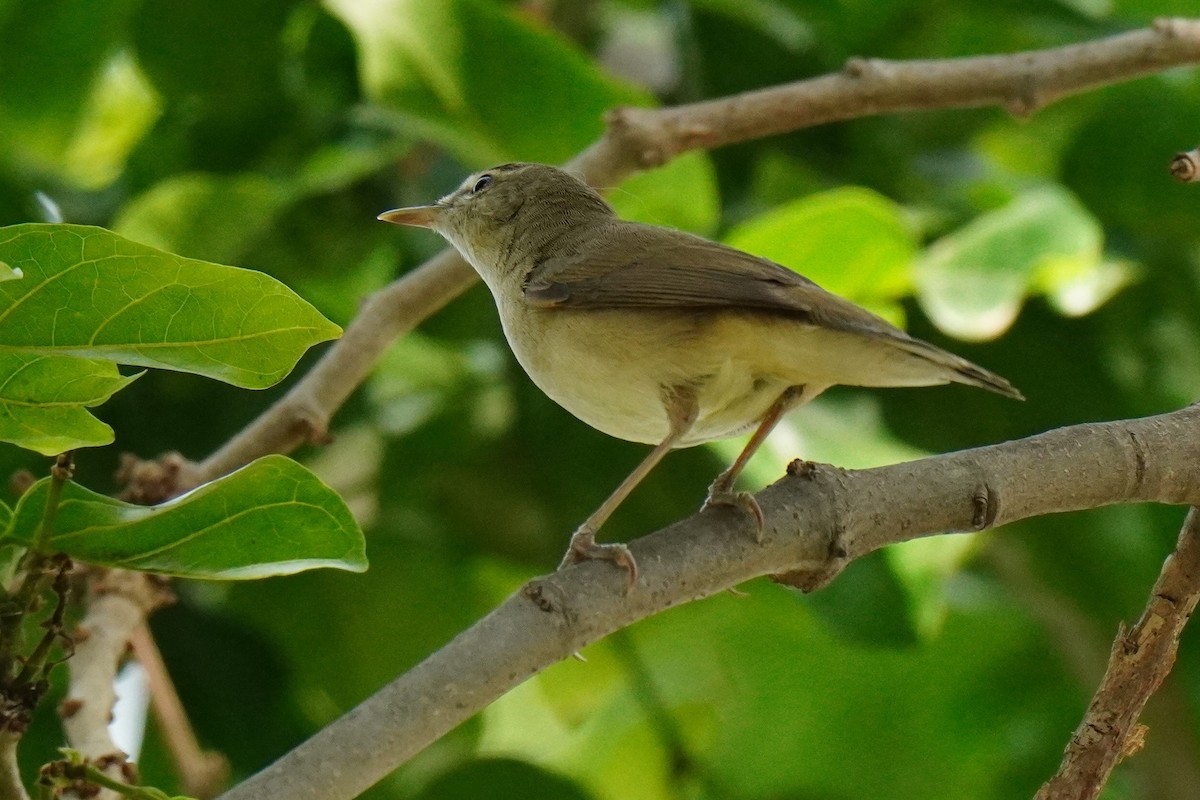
37	666
638	139
34	568
814	515
202	773
1141	659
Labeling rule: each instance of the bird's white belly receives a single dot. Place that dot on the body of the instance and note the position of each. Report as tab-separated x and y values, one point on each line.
601	369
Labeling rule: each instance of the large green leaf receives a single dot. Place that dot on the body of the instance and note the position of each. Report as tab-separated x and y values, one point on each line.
90	293
479	79
973	281
272	517
852	241
88	299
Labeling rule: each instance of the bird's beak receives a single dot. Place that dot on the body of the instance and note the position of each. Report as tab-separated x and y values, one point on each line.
417	216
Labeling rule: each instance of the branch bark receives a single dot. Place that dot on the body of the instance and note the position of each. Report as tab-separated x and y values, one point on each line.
816	520
117	604
639	138
1141	659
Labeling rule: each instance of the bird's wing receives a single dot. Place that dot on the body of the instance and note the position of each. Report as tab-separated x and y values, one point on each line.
640	266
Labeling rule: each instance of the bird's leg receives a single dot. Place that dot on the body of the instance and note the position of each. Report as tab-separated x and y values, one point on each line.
721	493
680	405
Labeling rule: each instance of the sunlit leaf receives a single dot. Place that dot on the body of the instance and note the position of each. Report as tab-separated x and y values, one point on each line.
272	517
51	55
119	111
680	194
476	77
92	294
851	241
973	281
1077	287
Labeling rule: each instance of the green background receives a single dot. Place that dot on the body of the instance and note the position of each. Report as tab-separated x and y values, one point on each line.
1055	251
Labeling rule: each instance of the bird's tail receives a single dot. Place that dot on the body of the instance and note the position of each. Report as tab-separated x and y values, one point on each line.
959	370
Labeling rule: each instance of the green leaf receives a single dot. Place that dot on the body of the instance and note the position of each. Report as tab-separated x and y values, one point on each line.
206	216
118	113
43	400
480	80
770	19
869	605
681	194
500	777
92	294
51	55
272	517
973	281
851	241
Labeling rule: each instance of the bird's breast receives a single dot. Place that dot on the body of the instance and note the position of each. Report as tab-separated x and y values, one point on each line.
612	369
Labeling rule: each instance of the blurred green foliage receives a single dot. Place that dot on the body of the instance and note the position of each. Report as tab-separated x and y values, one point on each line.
269	134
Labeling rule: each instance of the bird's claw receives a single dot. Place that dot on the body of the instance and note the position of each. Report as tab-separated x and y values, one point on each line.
719	496
584	547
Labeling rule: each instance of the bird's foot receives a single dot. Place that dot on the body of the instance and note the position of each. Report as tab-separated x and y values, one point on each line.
583	547
720	494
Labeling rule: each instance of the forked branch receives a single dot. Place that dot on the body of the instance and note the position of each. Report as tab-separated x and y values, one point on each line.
817	519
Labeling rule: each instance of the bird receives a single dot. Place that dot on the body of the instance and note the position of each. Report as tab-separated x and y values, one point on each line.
658	336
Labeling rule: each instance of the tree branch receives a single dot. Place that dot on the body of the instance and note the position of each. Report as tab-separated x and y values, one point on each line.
1022	83
638	138
117	603
1141	659
816	520
201	772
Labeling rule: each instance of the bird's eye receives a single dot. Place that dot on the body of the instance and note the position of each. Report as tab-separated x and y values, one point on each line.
481	184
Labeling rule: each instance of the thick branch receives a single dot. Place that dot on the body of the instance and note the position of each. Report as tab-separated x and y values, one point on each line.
817	520
641	138
1141	660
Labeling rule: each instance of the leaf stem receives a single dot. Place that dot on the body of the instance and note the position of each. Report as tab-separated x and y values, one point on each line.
60	473
36	668
33	565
